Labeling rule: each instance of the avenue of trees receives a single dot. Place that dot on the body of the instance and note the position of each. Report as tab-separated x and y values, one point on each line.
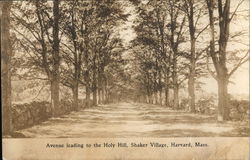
70	43
179	42
77	44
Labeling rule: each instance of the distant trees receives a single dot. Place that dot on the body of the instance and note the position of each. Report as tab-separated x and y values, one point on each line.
6	53
91	31
148	52
160	28
165	29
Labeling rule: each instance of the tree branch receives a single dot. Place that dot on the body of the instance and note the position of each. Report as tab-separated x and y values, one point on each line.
208	68
236	10
202	31
243	60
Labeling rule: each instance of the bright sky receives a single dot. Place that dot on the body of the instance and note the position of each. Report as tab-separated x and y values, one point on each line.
239	85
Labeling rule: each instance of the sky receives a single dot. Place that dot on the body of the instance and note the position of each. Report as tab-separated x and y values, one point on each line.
239	85
240	79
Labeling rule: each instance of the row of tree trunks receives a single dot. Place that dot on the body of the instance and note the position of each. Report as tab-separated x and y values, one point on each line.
6	53
154	89
101	95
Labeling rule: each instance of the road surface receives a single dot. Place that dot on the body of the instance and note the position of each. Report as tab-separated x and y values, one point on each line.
133	120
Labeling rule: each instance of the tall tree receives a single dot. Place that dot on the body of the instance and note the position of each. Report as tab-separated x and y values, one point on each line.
39	36
55	81
6	52
108	16
74	47
194	11
219	58
175	38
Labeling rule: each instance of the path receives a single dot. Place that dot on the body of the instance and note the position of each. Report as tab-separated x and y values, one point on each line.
133	120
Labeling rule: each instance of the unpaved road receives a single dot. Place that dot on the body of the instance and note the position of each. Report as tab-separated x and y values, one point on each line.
134	120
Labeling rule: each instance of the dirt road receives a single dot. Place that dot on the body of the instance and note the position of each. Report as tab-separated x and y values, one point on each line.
134	120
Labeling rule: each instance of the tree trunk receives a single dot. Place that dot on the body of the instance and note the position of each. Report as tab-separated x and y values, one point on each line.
54	88
191	91
155	97
176	97
166	96
160	88
191	80
99	96
223	110
87	96
75	97
104	93
150	98
56	58
160	94
175	82
166	80
94	94
223	72
94	83
147	99
108	96
5	68
103	96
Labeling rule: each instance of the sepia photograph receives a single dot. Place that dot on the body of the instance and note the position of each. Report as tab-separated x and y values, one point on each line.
125	69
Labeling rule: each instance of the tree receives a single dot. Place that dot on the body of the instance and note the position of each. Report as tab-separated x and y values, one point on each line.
151	35
103	40
175	38
38	27
74	47
6	52
219	58
160	28
55	79
193	15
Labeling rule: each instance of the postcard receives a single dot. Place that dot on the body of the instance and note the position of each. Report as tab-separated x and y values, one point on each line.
125	79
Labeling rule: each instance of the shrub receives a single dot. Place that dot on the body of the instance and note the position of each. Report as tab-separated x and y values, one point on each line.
239	109
184	104
206	105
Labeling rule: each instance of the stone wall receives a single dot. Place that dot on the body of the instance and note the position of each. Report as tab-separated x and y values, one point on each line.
29	114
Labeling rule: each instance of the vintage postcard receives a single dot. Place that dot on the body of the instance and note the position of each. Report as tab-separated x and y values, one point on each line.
125	79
